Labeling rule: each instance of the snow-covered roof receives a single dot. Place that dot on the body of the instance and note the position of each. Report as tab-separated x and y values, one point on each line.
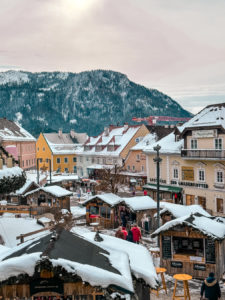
77	255
54	190
212	115
168	144
32	176
140	203
60	178
118	136
141	263
145	142
209	226
178	210
25	187
108	198
12	131
10	172
100	167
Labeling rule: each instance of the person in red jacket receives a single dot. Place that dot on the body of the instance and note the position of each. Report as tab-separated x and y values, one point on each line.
124	231
136	234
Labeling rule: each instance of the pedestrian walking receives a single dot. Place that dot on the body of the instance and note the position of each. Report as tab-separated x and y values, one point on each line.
145	193
119	234
124	231
130	236
210	288
136	234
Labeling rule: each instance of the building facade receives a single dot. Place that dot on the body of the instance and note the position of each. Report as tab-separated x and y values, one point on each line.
19	143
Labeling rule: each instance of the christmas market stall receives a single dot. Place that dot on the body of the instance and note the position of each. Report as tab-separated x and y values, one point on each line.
50	196
193	244
103	208
68	266
18	196
171	211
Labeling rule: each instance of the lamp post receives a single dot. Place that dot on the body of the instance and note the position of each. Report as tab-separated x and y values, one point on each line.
38	170
50	168
157	159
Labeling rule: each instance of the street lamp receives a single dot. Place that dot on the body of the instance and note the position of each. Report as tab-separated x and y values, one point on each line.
50	168
157	159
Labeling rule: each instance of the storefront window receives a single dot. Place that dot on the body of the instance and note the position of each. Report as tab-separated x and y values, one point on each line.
94	210
188	247
202	201
219	205
190	199
105	212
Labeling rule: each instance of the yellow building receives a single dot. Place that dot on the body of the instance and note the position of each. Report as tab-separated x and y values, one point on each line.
57	150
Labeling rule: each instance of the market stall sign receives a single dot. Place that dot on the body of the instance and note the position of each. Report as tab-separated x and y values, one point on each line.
46	285
204	133
166	247
199	267
176	264
187	173
210	251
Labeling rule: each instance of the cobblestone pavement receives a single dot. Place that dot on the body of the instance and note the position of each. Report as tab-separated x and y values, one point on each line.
194	288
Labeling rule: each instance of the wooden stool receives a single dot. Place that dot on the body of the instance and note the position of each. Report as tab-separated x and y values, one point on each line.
184	278
161	271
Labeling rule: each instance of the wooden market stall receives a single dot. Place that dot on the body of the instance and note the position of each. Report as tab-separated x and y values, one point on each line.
68	266
49	196
194	244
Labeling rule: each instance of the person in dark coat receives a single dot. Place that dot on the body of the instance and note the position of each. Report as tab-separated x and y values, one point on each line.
130	236
211	288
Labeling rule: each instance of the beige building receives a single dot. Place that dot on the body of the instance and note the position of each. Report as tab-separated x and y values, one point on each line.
193	162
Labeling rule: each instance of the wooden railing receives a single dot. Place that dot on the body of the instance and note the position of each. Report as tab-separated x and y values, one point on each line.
26	209
204	153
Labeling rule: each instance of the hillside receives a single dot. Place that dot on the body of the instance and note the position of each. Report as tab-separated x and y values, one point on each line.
86	102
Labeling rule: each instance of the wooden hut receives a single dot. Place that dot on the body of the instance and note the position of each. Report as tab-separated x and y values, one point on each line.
49	196
193	244
68	266
18	196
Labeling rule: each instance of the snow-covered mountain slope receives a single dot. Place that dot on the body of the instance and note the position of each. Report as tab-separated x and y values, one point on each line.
86	102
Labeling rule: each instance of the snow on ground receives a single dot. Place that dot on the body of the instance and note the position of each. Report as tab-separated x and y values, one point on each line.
11	227
78	211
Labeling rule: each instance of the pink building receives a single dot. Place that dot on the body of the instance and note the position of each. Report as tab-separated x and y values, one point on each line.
19	143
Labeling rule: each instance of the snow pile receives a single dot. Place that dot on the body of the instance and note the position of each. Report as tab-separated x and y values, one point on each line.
78	211
10	172
11	227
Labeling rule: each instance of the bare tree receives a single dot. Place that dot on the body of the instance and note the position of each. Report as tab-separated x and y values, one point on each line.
111	179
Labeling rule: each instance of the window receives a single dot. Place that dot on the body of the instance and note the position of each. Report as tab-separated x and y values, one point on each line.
87	158
37	148
201	175
202	201
190	199
58	160
74	169
92	160
104	161
175	173
142	168
133	168
66	170
65	159
138	157
40	159
105	212
97	160
46	160
23	163
128	168
219	205
137	140
218	144
94	210
194	144
219	176
81	159
43	149
26	162
74	159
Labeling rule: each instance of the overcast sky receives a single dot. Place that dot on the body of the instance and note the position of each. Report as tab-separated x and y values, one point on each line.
176	46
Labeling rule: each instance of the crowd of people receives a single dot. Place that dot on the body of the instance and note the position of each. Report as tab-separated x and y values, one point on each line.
131	234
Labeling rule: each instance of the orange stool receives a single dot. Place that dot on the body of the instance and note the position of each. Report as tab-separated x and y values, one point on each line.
161	271
184	278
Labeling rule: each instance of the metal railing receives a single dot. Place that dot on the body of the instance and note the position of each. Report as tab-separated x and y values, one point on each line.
203	153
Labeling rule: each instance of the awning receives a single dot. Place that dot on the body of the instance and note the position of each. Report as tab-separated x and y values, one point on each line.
163	188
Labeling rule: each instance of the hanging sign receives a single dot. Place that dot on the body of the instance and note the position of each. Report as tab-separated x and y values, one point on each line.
199	267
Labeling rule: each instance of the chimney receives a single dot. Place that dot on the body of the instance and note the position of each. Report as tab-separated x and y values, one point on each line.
1	163
72	133
106	131
60	132
125	126
9	162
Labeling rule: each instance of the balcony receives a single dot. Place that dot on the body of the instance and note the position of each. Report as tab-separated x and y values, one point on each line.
203	154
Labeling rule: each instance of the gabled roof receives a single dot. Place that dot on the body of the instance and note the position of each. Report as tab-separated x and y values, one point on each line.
108	198
140	203
54	190
211	116
25	188
12	131
178	210
77	255
209	226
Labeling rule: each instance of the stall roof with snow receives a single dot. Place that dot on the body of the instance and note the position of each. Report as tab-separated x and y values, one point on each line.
109	198
54	190
140	203
178	210
208	226
89	261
